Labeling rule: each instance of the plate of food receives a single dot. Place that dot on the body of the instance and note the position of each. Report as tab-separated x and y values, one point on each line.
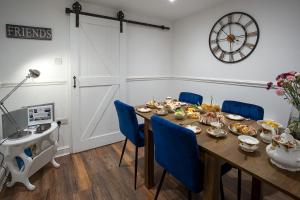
242	129
195	129
144	110
210	117
235	117
152	104
210	107
161	112
269	124
216	132
179	114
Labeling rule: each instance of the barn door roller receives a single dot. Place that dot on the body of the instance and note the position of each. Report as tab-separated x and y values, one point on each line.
76	9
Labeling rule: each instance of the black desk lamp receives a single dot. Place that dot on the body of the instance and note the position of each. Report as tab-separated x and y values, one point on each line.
33	73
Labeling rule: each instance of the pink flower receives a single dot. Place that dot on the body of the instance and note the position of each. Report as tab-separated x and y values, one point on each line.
291	78
297	74
280	92
280	82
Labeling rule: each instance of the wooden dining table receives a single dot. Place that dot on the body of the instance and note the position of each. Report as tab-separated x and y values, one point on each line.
219	150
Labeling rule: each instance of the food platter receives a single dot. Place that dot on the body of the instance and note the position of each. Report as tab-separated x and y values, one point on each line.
195	129
242	129
218	133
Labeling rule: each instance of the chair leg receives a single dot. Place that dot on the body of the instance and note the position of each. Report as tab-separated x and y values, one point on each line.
160	184
222	189
135	165
189	194
123	152
239	186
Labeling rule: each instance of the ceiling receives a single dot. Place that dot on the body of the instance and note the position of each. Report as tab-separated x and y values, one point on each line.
159	8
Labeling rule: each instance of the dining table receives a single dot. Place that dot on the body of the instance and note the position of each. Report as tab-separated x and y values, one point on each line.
217	151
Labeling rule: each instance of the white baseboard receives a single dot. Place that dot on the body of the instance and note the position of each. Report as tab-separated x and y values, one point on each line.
63	151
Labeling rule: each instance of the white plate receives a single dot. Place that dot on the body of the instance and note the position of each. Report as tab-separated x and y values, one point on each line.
144	110
212	132
195	129
182	103
235	117
248	143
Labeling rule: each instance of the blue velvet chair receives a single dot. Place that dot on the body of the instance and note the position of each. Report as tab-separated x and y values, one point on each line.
191	98
246	110
177	151
130	128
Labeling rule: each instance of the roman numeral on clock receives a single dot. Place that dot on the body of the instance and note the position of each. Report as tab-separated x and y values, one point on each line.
252	34
231	59
230	18
216	49
250	46
213	41
248	24
241	54
222	55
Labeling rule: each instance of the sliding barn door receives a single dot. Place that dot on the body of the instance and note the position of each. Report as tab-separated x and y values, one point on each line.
98	78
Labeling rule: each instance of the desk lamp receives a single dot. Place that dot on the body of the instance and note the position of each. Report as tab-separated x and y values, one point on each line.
33	73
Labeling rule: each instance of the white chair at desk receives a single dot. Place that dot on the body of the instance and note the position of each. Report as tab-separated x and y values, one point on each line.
15	147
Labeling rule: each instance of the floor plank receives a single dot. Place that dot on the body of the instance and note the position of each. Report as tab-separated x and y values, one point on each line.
95	175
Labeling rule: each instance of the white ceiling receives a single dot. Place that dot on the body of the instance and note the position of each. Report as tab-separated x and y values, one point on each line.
159	8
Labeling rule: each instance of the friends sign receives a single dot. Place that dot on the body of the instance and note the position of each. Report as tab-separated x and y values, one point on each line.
28	32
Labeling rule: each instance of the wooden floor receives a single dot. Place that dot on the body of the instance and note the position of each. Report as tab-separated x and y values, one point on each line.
95	175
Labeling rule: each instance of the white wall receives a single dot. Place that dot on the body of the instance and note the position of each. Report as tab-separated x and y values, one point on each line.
277	52
148	54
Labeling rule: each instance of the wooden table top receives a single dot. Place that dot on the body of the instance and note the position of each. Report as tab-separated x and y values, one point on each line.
257	163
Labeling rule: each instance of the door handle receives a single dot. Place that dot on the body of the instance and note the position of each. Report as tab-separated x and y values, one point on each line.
74	81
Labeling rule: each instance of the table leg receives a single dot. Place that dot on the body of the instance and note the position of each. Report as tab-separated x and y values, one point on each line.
256	189
149	156
211	177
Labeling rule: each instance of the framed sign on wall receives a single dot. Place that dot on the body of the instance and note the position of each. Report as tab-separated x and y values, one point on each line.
28	32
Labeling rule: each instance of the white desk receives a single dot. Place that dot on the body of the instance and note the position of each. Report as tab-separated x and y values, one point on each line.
15	147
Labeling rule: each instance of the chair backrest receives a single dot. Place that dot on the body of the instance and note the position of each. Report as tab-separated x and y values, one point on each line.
176	150
191	98
247	110
128	122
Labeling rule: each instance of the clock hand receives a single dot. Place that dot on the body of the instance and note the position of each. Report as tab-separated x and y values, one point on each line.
224	32
240	36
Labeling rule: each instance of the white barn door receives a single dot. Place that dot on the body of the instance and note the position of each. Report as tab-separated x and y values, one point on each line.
98	63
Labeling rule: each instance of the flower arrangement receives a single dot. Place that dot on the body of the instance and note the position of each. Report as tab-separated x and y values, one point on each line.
288	86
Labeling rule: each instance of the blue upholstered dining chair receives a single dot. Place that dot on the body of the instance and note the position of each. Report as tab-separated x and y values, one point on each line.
246	110
130	128
191	98
176	150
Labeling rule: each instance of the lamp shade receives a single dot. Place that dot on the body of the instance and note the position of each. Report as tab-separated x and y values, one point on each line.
34	73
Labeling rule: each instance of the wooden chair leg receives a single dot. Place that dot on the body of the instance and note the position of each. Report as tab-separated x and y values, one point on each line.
160	184
189	194
222	189
123	152
135	165
239	186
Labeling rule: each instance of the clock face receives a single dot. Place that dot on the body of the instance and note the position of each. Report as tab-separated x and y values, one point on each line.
234	37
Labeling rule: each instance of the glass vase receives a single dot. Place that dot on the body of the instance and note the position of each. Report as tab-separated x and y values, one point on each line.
294	122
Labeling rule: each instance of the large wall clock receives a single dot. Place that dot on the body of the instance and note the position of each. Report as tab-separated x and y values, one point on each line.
234	37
